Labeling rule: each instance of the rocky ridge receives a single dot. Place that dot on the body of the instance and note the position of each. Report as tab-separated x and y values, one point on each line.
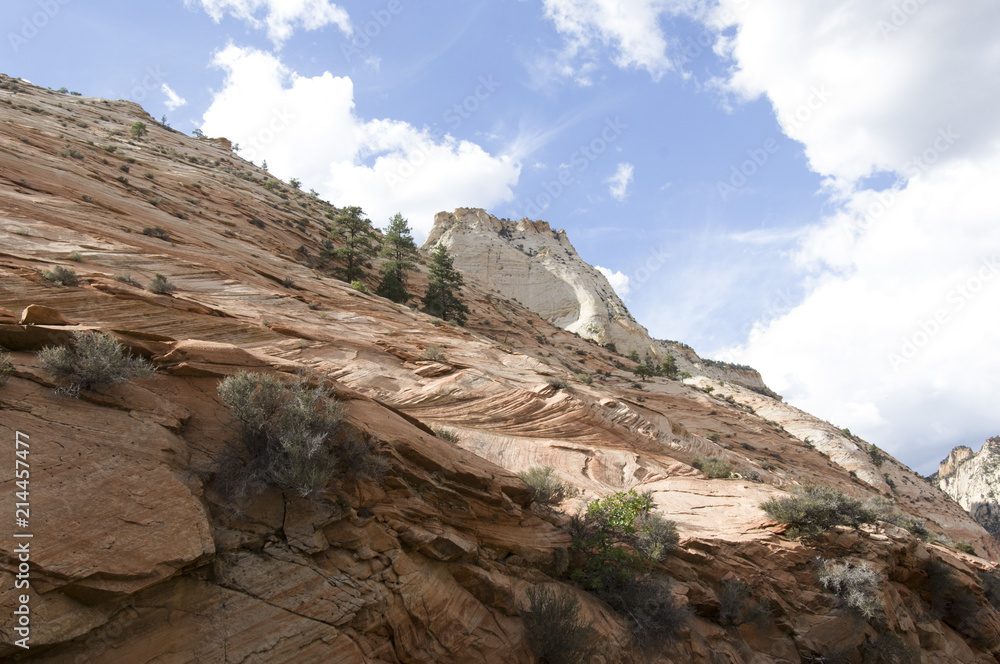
137	558
973	480
530	263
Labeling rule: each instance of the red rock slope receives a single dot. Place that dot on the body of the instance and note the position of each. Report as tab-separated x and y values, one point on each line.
136	557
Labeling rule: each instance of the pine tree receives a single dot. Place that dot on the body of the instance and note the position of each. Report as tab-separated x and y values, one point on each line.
400	250
444	287
361	242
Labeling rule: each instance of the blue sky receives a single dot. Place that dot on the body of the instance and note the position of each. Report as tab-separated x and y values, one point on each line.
799	186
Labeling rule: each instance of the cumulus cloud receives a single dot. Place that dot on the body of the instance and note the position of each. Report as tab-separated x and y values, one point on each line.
631	28
894	337
279	17
174	100
619	182
618	280
306	127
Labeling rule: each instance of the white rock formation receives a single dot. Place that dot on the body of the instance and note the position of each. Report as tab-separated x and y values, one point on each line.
529	262
974	481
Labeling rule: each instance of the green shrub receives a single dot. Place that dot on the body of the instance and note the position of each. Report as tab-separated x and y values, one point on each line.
447	434
857	586
876	455
290	438
127	279
767	465
965	547
6	368
548	489
359	286
812	509
158	232
62	276
432	354
159	285
556	632
620	539
713	467
138	129
91	359
585	378
75	256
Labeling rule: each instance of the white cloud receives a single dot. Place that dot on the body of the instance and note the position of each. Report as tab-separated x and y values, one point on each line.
619	182
280	17
868	88
174	100
307	128
617	280
630	27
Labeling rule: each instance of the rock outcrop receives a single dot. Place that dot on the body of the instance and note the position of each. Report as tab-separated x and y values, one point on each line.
528	262
973	479
137	556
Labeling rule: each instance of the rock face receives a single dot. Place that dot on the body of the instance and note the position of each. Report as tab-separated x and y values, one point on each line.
137	557
530	263
974	481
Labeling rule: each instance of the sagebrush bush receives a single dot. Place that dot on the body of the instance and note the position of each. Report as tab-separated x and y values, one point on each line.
92	359
714	467
62	276
432	353
811	509
548	489
736	607
556	632
290	437
158	232
160	285
654	536
557	382
6	368
965	547
857	586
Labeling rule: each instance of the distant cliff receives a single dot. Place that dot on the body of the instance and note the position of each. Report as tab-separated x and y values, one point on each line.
529	262
974	481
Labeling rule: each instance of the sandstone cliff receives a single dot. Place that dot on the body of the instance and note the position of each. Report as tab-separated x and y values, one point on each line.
136	557
973	479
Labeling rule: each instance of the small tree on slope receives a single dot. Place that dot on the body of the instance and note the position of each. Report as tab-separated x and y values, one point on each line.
444	287
361	242
400	250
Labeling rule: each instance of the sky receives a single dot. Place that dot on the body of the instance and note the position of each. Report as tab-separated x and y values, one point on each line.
810	188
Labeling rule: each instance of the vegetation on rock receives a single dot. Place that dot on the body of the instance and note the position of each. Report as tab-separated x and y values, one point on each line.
90	360
400	252
444	288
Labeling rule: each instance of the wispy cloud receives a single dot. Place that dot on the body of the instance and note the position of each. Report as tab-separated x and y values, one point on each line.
619	182
174	100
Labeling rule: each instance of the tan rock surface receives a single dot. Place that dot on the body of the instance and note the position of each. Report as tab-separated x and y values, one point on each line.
137	558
